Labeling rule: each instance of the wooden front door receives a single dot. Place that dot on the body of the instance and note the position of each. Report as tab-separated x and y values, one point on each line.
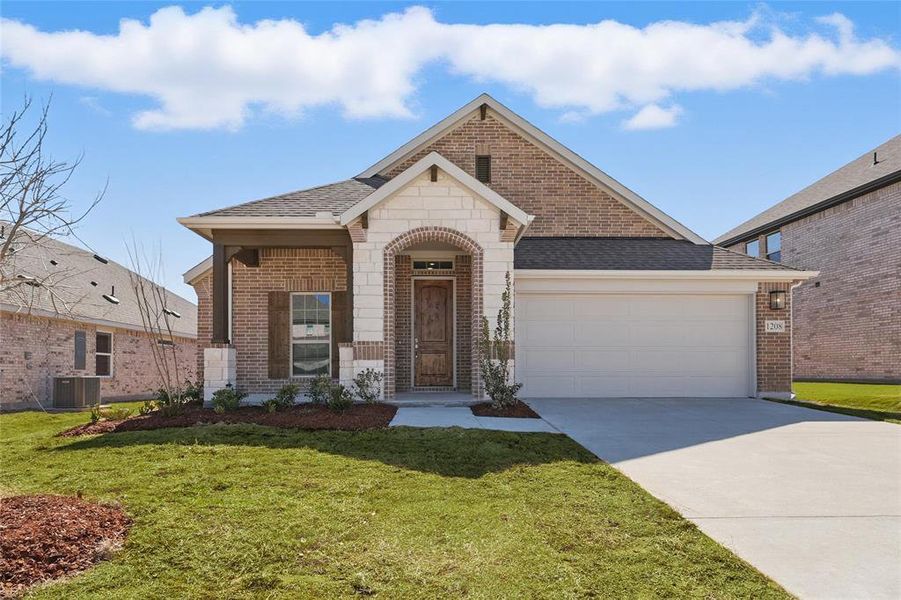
433	335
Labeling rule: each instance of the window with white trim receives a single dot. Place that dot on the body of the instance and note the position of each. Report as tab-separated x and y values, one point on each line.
103	354
311	334
753	248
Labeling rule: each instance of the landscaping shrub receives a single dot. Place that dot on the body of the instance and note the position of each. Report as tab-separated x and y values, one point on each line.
148	407
340	398
227	399
286	396
494	356
271	405
95	413
320	389
368	385
115	414
193	391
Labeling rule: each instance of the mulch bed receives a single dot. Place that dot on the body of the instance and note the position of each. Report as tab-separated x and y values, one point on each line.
303	416
45	537
520	410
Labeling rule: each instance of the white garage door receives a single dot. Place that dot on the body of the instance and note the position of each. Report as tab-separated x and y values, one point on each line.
648	345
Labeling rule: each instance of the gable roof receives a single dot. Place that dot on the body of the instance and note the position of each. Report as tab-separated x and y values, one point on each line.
854	179
74	296
633	254
334	198
594	174
419	167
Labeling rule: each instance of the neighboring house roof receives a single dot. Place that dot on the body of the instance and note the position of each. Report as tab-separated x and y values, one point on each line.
599	177
334	198
854	179
419	167
632	254
73	294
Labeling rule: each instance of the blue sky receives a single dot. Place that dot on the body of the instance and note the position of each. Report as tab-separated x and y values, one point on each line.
725	131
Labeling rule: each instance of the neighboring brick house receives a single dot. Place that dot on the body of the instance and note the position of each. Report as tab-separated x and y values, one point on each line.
59	323
395	268
847	226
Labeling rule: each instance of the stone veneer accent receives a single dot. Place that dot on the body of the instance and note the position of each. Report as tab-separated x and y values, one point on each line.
563	201
847	321
35	349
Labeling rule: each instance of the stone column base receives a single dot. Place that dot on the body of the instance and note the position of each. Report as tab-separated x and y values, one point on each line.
220	368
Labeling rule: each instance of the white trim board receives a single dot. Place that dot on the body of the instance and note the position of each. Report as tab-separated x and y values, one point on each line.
599	177
727	274
417	169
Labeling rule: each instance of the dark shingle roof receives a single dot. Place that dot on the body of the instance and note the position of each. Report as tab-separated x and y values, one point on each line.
69	293
627	254
334	198
859	172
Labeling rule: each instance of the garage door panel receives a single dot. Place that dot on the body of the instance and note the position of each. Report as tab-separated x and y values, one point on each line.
649	345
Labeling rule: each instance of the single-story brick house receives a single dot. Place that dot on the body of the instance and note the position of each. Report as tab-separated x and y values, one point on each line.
76	314
393	270
847	226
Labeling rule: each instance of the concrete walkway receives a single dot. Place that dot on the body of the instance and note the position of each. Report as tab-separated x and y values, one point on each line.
811	498
453	416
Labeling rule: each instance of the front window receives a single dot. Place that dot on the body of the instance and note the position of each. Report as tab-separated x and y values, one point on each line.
103	354
311	335
774	246
753	248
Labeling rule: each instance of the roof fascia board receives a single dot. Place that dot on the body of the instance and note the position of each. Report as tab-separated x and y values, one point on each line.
624	194
259	223
194	273
49	314
847	196
732	274
419	167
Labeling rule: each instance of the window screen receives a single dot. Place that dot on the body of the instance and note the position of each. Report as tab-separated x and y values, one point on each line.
774	246
483	169
103	354
753	248
311	334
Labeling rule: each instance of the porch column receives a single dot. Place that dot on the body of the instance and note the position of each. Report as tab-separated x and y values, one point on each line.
220	294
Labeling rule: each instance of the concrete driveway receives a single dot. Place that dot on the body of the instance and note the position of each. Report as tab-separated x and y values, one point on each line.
811	498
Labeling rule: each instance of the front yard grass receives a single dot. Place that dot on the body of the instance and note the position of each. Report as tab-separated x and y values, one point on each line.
875	398
243	511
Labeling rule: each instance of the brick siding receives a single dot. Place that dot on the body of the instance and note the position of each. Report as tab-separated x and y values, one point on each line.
774	361
33	350
849	326
281	269
564	202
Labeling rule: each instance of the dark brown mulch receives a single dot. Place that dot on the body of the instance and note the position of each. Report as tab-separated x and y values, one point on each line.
45	537
302	416
520	410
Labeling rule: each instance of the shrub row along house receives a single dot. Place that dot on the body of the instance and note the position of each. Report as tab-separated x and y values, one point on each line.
393	270
847	226
77	314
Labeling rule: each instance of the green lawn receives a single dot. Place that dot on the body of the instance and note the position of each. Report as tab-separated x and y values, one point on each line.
243	511
882	398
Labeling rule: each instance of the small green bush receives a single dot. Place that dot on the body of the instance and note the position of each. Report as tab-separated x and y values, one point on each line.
193	391
115	414
320	389
340	398
227	399
95	414
368	385
271	405
148	407
286	396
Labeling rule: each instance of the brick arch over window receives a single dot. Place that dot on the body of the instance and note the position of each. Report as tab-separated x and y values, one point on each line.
401	243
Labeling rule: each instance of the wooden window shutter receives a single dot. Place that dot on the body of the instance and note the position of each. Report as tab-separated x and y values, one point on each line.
80	350
279	335
340	331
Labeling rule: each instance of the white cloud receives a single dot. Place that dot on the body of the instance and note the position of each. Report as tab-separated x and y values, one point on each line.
653	117
208	70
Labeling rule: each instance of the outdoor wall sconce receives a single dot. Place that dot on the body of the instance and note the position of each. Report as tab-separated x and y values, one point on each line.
777	300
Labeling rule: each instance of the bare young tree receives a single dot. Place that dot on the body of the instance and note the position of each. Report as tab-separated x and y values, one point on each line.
157	317
33	208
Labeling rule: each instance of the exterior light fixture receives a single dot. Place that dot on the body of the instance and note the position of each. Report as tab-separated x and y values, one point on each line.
777	300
